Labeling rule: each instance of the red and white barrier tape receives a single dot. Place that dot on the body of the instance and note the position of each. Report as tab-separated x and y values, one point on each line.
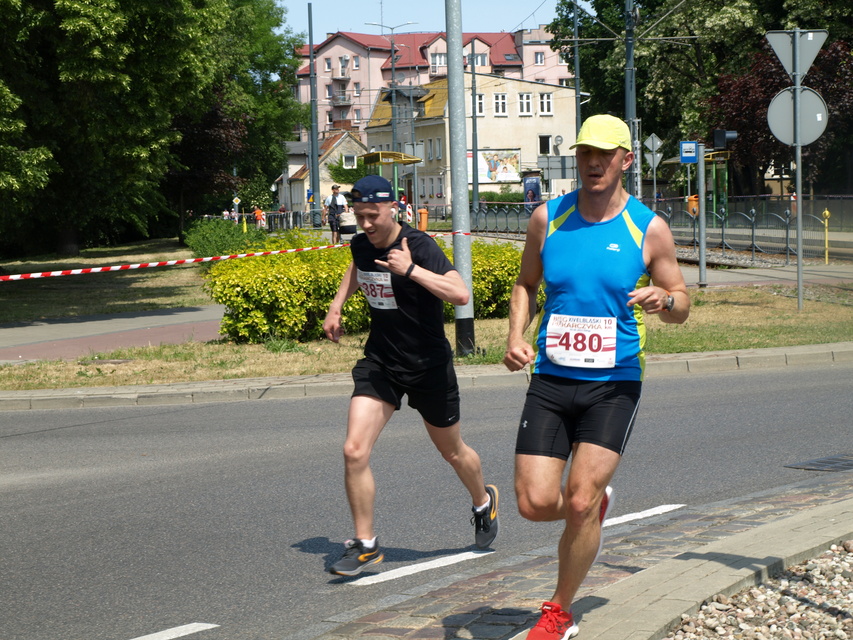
171	263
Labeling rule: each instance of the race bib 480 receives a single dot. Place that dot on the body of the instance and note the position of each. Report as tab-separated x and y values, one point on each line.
376	286
581	341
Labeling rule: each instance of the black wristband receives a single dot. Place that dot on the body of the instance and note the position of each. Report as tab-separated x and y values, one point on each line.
410	269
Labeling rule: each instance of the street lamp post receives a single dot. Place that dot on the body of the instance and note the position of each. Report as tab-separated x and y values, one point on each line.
393	90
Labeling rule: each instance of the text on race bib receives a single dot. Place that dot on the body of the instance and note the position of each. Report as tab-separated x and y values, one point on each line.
376	286
581	341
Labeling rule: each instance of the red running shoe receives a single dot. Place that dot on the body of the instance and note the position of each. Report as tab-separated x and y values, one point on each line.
555	624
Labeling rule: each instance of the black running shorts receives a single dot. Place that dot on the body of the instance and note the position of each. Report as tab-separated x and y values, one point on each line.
434	392
560	412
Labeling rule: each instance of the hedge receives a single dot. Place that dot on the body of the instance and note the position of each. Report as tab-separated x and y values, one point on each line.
287	296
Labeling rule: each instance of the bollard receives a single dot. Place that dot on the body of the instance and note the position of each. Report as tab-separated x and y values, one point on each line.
826	215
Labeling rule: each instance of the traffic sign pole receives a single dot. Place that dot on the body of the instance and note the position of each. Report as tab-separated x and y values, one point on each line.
798	159
796	49
700	188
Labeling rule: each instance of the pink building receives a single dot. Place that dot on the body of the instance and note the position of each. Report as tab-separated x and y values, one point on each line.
353	68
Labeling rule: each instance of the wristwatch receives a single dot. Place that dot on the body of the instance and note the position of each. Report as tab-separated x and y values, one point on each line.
670	301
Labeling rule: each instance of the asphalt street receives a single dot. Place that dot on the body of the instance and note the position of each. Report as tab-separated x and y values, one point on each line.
121	522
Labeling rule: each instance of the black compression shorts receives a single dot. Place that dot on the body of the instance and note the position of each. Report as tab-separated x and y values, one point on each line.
434	392
560	412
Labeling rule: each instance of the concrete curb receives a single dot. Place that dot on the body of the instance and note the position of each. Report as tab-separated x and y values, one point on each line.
241	390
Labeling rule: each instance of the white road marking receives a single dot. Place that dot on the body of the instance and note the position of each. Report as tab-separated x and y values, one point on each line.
648	513
470	555
417	568
178	632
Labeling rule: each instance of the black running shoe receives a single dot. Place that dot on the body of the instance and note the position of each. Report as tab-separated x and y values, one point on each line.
486	523
356	558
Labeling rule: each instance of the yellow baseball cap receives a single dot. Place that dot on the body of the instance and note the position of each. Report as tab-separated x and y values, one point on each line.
604	132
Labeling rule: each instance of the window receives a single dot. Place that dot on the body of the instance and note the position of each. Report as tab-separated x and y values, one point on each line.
438	59
429	149
357	113
544	145
566	82
481	104
328	64
440	186
357	88
545	104
438	148
539	58
564	57
512	57
431	187
478	59
329	91
356	62
500	104
423	188
349	161
525	104
329	117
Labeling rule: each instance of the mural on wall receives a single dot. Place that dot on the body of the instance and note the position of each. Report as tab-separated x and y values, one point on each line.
495	165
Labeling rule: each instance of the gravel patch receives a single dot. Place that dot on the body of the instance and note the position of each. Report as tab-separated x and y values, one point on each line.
810	601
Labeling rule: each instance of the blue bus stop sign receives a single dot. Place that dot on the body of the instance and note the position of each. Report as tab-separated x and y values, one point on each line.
688	152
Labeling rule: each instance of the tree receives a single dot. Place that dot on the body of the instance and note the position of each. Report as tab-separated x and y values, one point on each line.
742	102
682	52
111	88
252	112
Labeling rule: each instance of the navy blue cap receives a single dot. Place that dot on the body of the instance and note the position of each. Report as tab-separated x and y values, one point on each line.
372	189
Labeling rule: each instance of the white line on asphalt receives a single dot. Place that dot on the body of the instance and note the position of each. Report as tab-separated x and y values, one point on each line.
470	555
648	513
417	568
178	632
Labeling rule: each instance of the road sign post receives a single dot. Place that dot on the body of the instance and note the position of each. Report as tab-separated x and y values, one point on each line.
796	50
653	143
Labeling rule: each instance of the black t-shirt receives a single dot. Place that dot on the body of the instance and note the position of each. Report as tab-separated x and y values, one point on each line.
406	320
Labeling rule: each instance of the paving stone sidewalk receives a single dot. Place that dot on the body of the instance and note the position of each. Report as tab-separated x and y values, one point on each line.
503	604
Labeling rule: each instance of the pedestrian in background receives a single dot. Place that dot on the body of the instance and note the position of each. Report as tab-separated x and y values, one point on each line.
333	206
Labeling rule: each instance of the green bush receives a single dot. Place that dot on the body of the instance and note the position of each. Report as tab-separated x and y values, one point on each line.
286	296
494	270
209	238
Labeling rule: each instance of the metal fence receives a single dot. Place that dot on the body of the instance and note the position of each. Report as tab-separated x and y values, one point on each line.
761	225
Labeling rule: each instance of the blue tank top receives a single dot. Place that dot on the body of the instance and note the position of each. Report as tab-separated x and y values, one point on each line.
586	329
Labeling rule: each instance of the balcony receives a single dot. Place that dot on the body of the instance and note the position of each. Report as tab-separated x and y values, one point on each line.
341	99
341	74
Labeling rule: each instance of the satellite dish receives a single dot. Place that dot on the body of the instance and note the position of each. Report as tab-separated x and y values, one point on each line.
558	140
398	78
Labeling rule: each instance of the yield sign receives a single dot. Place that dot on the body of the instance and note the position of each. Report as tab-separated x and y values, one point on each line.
809	43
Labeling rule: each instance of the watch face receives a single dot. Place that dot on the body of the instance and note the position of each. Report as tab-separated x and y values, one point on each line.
670	303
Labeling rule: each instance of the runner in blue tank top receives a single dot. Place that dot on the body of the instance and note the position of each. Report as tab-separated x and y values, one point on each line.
605	260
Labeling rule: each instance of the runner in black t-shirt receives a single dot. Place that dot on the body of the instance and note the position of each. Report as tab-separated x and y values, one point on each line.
406	278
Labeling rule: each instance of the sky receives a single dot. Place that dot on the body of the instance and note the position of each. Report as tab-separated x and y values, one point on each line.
477	15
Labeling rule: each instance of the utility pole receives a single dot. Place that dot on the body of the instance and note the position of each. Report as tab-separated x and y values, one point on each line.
393	92
459	173
475	164
634	174
316	220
